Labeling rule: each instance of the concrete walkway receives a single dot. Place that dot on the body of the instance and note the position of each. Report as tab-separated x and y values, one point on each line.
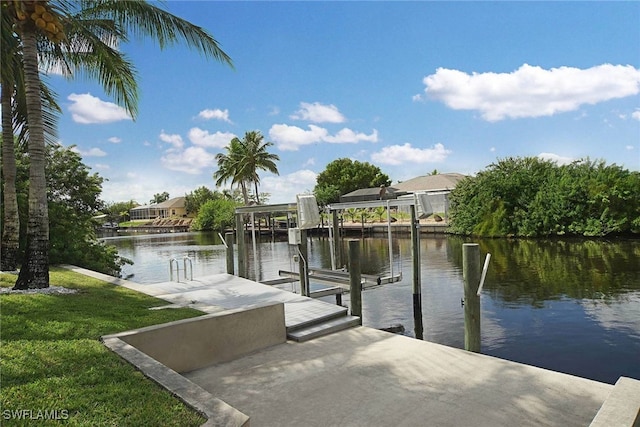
366	377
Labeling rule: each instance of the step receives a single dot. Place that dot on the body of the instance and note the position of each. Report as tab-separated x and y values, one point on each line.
319	317
622	407
325	328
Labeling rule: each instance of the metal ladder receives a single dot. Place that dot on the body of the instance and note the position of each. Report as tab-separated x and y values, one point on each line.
185	260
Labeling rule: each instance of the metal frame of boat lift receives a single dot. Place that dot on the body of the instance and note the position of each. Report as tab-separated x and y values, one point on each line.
334	275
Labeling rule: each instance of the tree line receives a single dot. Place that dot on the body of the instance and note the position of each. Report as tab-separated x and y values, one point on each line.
531	197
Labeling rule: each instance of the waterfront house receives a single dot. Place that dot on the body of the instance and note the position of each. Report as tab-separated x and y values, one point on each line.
171	208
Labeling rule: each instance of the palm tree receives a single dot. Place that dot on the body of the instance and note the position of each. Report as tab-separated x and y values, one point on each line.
242	161
230	168
115	19
256	157
14	114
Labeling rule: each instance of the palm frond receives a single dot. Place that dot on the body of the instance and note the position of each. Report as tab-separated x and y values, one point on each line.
144	19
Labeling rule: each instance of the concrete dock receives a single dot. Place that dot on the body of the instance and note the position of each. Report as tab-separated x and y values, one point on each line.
365	377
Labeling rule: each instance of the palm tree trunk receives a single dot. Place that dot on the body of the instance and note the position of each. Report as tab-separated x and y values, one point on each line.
34	272
245	195
255	183
11	223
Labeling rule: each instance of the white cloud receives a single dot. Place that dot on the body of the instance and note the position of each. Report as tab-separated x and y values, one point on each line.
560	160
203	138
92	152
309	162
636	115
175	140
283	188
114	140
88	109
192	160
417	97
347	136
292	137
318	113
399	154
629	147
102	166
215	114
531	91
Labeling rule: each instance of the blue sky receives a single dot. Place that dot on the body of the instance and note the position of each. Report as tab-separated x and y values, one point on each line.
407	86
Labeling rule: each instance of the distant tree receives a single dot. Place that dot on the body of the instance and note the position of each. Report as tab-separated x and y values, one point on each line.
242	161
198	197
215	214
235	195
351	213
119	211
159	198
380	212
343	176
435	172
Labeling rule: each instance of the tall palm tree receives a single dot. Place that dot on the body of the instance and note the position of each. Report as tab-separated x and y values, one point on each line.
244	158
34	272
14	119
115	18
256	157
230	168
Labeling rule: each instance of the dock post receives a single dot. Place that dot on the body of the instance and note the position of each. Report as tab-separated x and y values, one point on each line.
303	265
355	278
417	279
471	275
337	238
228	238
242	266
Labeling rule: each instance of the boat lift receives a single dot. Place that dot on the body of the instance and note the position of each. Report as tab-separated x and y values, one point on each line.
419	206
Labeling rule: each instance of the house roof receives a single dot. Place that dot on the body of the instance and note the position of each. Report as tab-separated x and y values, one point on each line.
439	182
370	194
176	202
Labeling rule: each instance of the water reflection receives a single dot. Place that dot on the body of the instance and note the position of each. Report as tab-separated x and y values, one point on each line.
568	305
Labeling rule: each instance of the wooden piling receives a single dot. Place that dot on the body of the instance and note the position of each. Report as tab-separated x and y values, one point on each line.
471	271
417	279
337	239
242	263
228	237
355	277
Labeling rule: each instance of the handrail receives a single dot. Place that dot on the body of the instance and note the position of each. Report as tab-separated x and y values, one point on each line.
171	269
184	261
184	268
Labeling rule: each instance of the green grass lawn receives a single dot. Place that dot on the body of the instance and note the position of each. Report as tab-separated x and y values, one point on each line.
51	358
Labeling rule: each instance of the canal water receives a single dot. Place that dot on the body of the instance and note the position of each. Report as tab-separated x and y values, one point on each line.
568	305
